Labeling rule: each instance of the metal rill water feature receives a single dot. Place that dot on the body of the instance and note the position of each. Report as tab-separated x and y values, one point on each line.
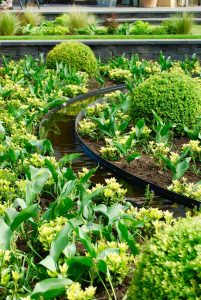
60	126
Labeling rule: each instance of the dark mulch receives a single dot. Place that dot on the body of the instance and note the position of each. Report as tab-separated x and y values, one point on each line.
146	168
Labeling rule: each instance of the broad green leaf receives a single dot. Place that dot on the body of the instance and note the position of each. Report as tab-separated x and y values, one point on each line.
49	263
38	178
10	215
140	124
123	125
30	194
181	168
24	215
62	206
5	236
50	288
133	156
67	189
113	212
69	174
102	208
164	131
86	177
61	240
168	163
102	266
70	250
82	260
122	149
52	169
86	197
129	141
68	159
127	237
85	240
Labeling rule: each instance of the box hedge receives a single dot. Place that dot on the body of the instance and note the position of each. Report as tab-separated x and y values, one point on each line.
169	267
175	96
73	54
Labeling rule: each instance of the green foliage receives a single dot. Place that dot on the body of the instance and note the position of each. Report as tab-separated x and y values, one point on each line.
75	55
140	27
169	266
55	30
174	96
9	23
100	30
32	18
181	24
76	19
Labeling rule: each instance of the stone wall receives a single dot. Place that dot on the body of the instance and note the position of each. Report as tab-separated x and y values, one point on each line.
148	49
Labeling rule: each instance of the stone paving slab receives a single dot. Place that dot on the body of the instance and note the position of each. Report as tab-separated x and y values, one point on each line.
50	8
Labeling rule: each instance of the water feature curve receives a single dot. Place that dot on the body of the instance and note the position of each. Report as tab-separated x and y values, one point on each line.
58	125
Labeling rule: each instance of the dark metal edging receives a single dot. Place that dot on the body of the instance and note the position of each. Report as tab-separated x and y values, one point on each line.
81	97
174	197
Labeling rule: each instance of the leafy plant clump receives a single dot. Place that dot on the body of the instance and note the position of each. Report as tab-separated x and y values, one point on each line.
32	18
169	266
174	96
9	24
76	19
74	54
181	24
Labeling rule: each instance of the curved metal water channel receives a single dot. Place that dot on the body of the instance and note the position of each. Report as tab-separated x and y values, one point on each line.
59	126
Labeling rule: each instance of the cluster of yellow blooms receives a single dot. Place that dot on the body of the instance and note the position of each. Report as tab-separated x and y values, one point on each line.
86	127
195	148
112	193
96	109
109	152
48	231
189	189
119	260
145	132
38	161
152	219
75	292
113	97
120	75
158	149
73	90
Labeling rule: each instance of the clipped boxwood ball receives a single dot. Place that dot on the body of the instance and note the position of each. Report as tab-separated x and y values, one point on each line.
175	96
73	54
169	267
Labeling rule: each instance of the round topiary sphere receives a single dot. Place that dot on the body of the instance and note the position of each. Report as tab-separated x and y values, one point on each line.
73	54
174	96
169	266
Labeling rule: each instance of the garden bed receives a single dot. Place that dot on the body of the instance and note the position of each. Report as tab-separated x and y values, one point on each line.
62	236
143	172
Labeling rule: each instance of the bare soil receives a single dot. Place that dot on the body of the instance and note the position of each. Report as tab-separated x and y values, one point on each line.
146	168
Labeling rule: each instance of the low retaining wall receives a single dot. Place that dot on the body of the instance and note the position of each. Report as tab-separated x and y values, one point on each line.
105	49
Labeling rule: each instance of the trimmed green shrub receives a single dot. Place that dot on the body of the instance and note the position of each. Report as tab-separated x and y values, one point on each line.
75	55
174	96
169	267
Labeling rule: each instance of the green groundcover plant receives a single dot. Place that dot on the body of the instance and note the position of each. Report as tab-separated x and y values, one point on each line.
169	267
